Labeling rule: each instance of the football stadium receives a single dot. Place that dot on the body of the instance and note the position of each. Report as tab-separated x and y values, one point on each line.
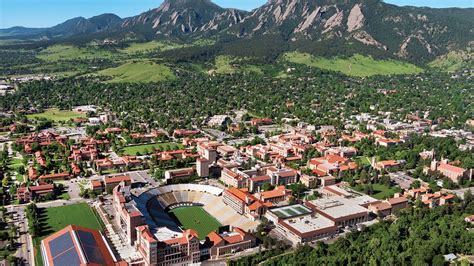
174	208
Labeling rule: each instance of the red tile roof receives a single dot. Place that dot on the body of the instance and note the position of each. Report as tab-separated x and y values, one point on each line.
399	200
260	178
277	192
117	179
451	168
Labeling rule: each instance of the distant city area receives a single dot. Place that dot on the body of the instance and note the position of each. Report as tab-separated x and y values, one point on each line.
155	197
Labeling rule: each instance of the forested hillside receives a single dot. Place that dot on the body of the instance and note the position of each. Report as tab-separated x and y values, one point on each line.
419	236
322	27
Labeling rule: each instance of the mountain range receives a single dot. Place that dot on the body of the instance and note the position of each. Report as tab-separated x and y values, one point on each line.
324	27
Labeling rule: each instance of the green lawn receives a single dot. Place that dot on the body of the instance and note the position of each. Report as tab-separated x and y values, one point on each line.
55	219
356	65
139	71
57	115
382	191
147	148
196	218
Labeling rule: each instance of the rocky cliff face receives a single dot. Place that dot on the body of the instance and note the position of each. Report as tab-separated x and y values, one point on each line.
180	17
355	26
402	31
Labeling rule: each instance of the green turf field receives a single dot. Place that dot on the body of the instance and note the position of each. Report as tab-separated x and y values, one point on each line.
139	71
55	219
57	115
148	148
196	218
356	65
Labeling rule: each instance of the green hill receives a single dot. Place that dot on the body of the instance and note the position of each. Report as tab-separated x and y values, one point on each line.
356	65
453	61
139	71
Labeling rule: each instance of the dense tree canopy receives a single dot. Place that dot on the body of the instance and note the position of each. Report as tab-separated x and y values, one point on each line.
418	237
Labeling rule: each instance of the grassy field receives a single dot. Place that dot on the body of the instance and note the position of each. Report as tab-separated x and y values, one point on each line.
61	52
139	71
143	47
223	65
151	46
196	218
57	115
382	191
454	61
356	65
147	148
55	219
230	65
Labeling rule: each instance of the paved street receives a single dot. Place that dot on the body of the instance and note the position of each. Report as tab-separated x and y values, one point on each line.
24	241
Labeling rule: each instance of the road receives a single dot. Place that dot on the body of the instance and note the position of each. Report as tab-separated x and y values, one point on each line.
25	241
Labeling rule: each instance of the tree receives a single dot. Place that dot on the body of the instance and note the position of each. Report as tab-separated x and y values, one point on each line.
415	184
438	260
267	187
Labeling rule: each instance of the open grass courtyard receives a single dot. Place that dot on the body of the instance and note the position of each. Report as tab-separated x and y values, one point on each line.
382	191
148	148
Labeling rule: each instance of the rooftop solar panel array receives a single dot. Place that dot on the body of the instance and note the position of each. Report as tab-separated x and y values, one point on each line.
61	244
63	251
90	247
69	258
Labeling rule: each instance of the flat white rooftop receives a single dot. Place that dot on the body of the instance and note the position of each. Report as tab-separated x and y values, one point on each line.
338	207
309	223
164	233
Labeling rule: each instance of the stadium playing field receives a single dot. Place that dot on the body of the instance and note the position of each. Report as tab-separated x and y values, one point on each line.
196	218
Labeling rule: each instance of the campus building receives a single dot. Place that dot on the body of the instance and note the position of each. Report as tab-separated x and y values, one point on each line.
300	224
228	240
77	246
245	203
456	174
180	250
127	216
340	210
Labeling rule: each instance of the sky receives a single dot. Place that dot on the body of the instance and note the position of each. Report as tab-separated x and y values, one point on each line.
47	13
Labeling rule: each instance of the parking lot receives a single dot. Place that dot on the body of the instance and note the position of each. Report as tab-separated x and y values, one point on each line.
402	179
